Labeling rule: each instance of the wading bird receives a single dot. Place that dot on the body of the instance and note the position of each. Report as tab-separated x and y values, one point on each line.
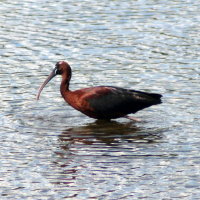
101	102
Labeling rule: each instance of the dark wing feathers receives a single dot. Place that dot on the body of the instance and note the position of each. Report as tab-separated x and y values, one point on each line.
114	101
153	95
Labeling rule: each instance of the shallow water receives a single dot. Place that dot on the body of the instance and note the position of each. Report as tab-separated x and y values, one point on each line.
49	150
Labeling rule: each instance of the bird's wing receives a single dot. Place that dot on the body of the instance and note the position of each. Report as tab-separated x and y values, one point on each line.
118	100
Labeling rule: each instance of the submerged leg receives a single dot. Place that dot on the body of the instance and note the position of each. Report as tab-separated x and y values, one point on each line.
133	118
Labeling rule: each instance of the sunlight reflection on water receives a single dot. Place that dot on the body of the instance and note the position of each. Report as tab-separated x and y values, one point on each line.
49	150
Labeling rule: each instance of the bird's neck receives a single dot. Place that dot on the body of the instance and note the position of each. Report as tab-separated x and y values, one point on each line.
64	87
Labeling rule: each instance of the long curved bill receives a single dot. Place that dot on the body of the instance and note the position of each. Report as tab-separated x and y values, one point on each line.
53	74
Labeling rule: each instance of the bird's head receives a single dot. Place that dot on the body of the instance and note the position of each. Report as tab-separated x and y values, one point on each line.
61	68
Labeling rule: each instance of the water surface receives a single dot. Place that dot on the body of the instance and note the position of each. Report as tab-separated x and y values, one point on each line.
49	150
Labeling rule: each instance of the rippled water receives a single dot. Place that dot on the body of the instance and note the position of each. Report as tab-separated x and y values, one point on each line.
50	151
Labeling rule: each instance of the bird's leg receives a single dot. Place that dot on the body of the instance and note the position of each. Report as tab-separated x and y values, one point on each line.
133	118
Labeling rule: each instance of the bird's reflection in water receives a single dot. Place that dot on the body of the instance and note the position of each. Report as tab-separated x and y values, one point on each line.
110	133
97	142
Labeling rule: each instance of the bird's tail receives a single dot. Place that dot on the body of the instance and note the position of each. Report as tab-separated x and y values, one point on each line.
154	97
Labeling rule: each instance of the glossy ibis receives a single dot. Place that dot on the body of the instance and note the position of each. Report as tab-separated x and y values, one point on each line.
101	102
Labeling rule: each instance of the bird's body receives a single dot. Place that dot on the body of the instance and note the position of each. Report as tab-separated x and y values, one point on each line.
106	102
102	102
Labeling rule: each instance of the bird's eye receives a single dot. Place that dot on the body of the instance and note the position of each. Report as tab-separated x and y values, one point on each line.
57	71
